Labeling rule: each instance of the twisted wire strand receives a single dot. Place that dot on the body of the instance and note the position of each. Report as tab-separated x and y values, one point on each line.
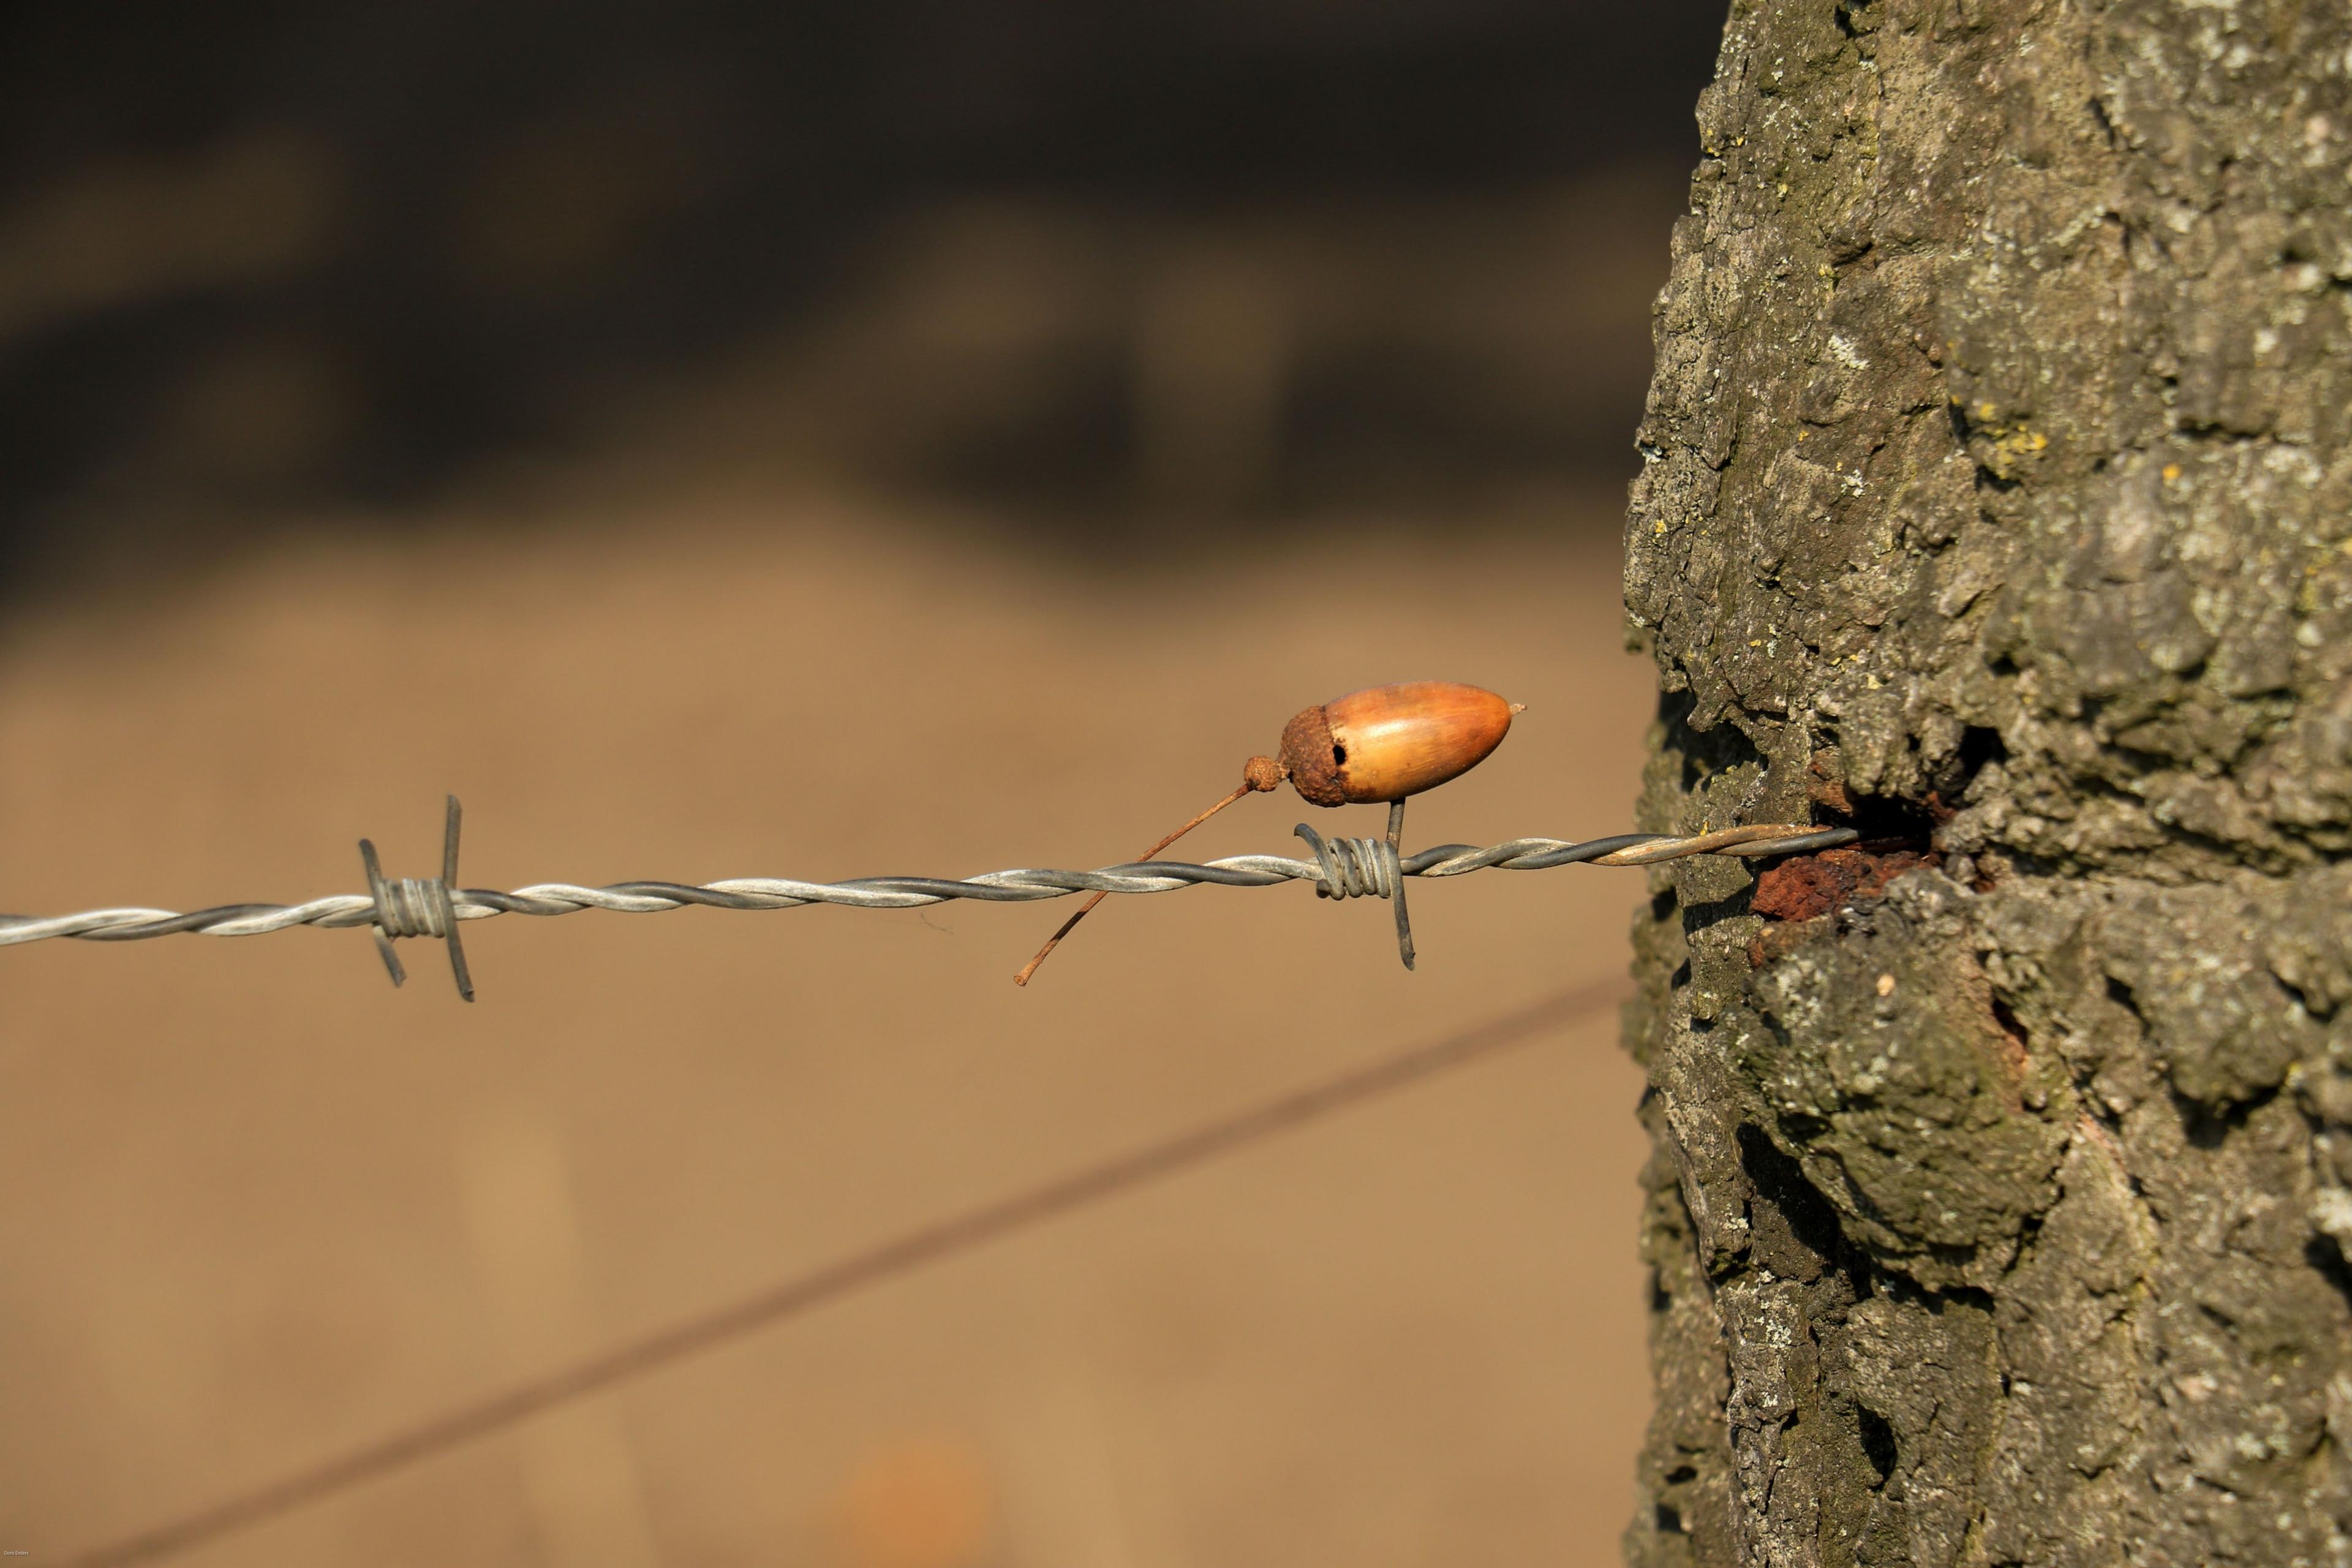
1336	873
1353	868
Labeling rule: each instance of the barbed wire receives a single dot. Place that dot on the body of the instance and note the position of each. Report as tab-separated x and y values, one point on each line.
1339	868
345	909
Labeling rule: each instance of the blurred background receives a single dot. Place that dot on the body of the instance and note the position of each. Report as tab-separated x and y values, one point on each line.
814	440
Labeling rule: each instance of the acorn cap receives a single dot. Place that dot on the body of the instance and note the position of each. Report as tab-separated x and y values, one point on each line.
1307	753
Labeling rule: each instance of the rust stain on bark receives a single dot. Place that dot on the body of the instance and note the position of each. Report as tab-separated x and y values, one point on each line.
1806	886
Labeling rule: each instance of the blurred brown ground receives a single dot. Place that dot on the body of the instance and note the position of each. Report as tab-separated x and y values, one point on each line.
817	441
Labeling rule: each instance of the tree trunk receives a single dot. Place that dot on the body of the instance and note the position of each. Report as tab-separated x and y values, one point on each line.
1998	500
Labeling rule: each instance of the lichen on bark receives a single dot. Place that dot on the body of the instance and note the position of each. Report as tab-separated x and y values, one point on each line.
1998	499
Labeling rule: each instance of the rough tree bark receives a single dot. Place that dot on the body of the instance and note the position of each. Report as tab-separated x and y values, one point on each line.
1999	499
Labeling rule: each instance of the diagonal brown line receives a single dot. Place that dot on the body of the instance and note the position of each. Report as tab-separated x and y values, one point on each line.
913	1249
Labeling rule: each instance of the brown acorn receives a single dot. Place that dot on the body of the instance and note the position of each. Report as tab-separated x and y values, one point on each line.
1389	741
1382	743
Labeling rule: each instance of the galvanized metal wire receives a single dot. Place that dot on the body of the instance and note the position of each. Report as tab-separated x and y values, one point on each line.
1338	869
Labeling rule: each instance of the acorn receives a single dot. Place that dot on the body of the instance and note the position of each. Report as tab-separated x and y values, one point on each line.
1389	741
1382	743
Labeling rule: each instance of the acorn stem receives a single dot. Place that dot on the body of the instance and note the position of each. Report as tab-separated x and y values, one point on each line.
1055	939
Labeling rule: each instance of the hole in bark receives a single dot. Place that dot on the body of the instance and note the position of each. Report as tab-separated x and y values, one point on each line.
1877	1441
1681	1474
2327	1259
2210	1126
1670	1520
1849	17
1780	1181
1978	746
1704	753
2204	1130
1661	905
1889	823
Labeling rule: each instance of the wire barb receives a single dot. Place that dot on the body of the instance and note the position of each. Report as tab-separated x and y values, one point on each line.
1342	868
1353	868
419	906
1395	847
1365	867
